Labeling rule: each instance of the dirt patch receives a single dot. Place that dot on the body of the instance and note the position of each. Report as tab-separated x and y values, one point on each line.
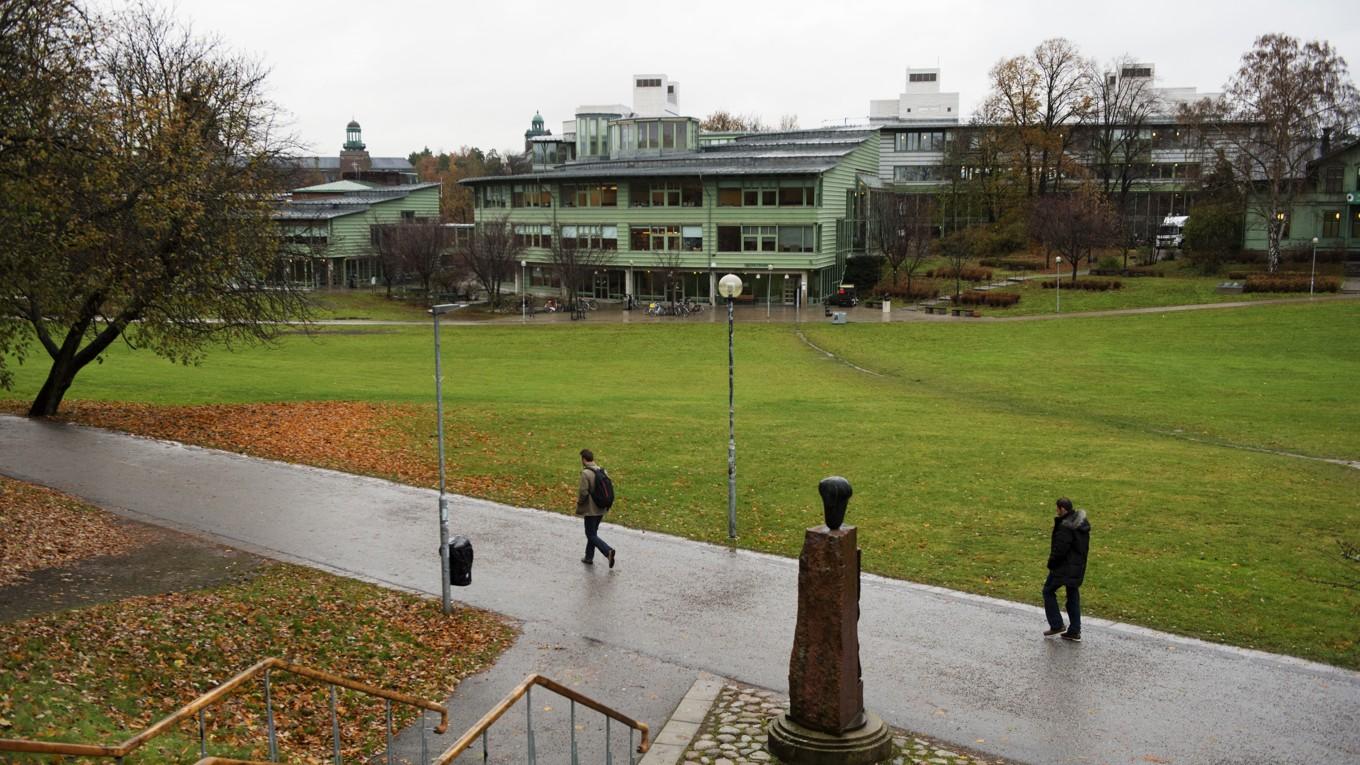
158	561
41	529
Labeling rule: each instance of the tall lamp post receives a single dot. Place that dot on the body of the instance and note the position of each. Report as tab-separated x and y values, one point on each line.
1313	273
1057	286
523	291
436	312
730	287
769	279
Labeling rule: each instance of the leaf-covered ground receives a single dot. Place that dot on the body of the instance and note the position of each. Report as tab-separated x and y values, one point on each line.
41	528
391	441
101	673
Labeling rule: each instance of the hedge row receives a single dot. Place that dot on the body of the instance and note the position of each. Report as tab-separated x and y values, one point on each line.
1290	283
918	291
994	299
967	273
1126	272
1091	285
1013	264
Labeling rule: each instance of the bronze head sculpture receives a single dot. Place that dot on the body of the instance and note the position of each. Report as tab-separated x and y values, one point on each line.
835	492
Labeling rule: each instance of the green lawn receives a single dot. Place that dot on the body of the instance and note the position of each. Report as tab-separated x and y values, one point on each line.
371	305
1137	292
956	451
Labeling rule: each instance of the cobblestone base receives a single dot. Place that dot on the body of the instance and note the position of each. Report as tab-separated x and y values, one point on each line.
733	733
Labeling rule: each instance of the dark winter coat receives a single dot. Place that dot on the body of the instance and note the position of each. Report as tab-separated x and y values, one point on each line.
1070	544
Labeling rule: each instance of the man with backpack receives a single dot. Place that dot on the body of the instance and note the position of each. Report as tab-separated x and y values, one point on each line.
594	497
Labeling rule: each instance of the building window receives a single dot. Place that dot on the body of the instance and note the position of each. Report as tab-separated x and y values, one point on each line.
590	195
654	238
692	238
408	216
1136	71
530	195
666	193
591	237
1331	224
493	196
918	173
1355	225
921	140
921	77
1285	219
1333	177
767	239
544	276
533	235
649	83
729	197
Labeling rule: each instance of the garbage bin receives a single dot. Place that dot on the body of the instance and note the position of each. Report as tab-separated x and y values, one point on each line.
460	561
838	317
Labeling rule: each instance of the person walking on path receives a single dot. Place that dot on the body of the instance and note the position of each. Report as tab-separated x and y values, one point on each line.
1071	541
588	505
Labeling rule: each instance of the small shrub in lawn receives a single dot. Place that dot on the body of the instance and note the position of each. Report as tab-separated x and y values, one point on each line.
1090	285
967	273
992	298
1289	283
1109	263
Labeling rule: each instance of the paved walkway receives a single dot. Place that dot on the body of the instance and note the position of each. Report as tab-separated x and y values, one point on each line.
954	666
778	314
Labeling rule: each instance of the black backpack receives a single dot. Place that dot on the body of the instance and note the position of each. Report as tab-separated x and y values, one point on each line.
602	492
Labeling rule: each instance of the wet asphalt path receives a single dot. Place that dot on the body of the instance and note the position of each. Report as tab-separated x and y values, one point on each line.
962	668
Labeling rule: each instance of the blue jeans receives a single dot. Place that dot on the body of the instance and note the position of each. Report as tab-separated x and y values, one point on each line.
593	540
1073	605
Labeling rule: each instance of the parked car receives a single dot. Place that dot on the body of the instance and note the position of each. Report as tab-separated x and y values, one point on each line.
845	296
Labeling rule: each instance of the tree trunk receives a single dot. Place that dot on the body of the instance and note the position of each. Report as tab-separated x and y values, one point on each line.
1273	231
59	379
1075	263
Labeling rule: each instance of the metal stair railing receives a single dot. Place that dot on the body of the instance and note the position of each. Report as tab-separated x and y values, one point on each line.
216	695
525	690
478	730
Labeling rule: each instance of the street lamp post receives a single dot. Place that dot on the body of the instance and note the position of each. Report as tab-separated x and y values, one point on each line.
523	291
769	279
1057	286
436	312
730	287
1313	273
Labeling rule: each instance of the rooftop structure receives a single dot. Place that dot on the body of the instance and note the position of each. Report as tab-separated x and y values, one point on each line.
921	99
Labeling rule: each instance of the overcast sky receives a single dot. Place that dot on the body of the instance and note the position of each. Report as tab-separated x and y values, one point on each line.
448	74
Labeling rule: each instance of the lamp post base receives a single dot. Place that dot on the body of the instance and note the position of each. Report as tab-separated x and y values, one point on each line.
793	743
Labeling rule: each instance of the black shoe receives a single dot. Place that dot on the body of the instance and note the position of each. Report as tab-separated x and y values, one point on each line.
611	557
588	561
1052	632
1075	637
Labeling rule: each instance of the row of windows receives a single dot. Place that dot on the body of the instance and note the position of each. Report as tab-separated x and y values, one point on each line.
674	238
1331	224
652	193
1156	171
921	140
1334	179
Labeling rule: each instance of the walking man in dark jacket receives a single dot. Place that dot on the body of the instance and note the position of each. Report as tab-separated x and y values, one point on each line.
1066	568
585	506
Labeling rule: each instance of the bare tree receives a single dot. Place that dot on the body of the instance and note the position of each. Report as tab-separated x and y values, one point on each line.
982	188
491	253
148	217
1121	109
788	122
958	248
1039	99
901	229
416	249
575	259
1075	224
668	263
723	121
1268	121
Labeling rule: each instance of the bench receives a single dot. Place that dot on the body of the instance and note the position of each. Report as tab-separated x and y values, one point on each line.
964	311
932	308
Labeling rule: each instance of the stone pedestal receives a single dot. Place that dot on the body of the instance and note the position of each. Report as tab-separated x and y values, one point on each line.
826	722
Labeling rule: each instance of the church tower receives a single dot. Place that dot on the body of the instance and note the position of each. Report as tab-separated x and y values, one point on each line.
535	129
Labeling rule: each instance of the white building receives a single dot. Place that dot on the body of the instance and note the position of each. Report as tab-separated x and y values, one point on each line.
921	101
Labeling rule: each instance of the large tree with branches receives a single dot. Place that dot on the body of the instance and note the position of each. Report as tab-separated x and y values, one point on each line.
1269	120
490	253
138	206
575	258
901	229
